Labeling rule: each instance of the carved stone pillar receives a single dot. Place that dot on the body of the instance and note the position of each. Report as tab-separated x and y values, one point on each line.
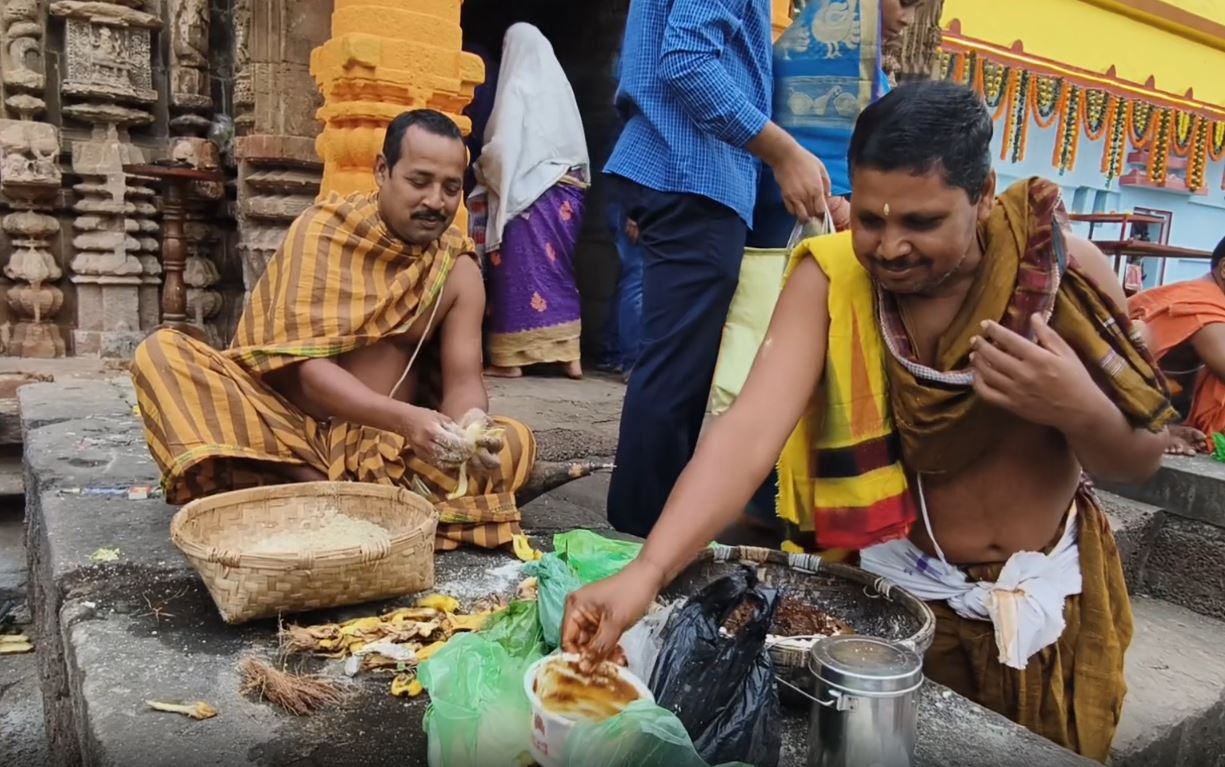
191	99
275	100
29	181
385	57
108	85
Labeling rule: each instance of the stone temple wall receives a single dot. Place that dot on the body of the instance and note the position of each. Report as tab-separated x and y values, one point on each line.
89	87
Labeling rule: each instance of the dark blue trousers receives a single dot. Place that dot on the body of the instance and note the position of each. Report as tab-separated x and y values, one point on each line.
692	247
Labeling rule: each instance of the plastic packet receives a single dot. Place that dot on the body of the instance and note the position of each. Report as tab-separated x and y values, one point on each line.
554	582
479	714
720	682
644	735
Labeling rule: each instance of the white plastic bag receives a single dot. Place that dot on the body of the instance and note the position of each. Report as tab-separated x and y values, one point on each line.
642	642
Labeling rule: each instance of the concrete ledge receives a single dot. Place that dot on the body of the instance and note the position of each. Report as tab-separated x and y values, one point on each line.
142	628
1175	708
1135	526
1189	487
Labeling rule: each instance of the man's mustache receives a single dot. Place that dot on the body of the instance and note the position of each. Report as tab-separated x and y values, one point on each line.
431	217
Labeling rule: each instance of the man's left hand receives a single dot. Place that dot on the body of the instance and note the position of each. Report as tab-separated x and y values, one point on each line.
1044	383
488	442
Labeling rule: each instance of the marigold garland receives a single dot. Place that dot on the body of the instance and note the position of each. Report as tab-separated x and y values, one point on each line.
1047	101
1018	96
1184	133
1116	141
1093	106
1068	141
1197	166
1159	154
1216	145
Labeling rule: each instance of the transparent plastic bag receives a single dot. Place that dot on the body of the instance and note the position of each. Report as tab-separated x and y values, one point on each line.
644	735
517	629
554	582
479	714
642	643
594	557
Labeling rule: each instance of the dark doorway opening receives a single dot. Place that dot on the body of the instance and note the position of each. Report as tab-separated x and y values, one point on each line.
585	36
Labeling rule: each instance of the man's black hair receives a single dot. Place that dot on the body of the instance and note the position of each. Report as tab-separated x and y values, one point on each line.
923	126
426	119
1218	254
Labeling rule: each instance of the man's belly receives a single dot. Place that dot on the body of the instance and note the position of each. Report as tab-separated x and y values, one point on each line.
1010	500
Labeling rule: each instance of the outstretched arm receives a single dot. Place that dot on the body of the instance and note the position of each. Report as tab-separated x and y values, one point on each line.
731	461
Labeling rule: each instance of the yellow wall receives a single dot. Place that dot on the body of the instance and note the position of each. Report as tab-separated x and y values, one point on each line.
1084	34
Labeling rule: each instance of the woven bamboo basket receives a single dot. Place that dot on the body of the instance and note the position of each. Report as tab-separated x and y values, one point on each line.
872	605
217	533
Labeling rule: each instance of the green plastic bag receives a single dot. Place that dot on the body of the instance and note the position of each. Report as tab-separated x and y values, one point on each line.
644	735
594	557
1218	447
479	714
554	582
517	629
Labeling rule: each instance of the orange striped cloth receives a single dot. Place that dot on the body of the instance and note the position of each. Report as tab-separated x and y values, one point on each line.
1173	314
341	281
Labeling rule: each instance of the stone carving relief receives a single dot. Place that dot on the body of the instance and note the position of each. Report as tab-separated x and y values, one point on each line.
190	93
108	85
29	181
21	56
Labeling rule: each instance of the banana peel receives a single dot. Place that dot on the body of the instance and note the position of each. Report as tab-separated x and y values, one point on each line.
198	711
474	434
523	549
406	685
468	622
15	644
440	602
427	652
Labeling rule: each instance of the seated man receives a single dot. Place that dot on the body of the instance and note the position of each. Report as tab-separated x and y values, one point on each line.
953	359
1184	325
358	357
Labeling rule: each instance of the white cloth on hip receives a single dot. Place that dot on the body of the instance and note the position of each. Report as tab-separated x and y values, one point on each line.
1025	604
535	133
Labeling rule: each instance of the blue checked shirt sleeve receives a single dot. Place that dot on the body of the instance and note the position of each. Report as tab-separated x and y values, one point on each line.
690	66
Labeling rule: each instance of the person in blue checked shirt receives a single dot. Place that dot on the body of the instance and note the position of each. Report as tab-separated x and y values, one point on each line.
695	92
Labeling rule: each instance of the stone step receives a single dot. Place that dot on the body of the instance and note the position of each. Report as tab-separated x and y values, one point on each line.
1175	708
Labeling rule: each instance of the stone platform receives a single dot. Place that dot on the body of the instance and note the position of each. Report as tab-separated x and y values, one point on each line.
117	634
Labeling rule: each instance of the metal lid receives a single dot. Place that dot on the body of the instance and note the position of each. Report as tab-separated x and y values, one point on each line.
863	664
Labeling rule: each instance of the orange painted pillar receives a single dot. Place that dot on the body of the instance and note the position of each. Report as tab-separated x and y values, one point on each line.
386	57
781	16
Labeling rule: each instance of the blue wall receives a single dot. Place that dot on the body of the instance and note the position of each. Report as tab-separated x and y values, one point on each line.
1199	220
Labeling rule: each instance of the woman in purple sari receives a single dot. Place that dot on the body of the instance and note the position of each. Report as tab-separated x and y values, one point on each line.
534	172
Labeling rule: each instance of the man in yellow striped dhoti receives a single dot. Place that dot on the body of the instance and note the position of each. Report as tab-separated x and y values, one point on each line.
357	358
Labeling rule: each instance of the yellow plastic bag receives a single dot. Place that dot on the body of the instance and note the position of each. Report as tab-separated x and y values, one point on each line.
748	319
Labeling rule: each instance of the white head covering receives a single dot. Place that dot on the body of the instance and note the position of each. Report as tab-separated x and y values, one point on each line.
534	135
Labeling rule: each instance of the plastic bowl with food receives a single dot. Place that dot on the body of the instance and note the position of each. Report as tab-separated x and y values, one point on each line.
561	695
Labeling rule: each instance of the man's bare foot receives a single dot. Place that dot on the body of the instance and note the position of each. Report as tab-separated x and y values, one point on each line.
574	370
1186	441
497	372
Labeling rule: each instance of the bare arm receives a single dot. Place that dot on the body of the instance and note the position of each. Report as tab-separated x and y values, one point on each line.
691	67
1209	344
322	389
743	445
463	387
1106	444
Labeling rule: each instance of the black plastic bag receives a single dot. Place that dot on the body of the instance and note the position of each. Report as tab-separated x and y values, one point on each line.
722	687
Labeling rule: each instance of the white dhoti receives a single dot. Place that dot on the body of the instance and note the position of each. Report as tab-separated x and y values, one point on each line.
1025	605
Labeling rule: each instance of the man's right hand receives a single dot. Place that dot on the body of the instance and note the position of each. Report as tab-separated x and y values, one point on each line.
804	181
434	437
597	615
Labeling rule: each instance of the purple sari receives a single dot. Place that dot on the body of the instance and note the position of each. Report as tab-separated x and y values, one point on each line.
533	296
